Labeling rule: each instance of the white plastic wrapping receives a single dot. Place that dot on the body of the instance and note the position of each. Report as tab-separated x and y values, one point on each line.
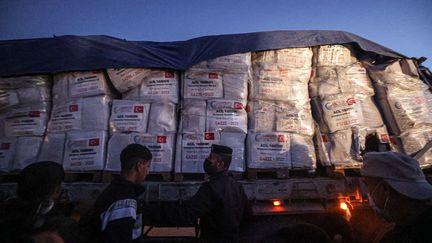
25	81
156	86
335	80
162	118
7	152
268	150
84	114
414	140
295	117
85	150
27	120
125	79
192	150
236	141
79	84
235	85
334	55
302	152
27	150
27	95
161	146
261	115
292	57
226	113
202	84
129	116
283	84
193	115
239	61
53	147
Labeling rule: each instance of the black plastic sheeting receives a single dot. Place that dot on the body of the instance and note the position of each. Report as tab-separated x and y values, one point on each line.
72	53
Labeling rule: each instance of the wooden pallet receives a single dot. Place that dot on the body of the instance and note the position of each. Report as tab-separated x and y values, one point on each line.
271	173
302	173
178	177
83	176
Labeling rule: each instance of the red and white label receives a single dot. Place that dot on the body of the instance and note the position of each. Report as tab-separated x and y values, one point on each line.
209	136
138	109
94	142
161	139
73	108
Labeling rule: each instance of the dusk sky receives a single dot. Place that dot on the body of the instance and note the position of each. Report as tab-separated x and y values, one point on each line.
402	25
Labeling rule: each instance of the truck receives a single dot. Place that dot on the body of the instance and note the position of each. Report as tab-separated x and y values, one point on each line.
329	196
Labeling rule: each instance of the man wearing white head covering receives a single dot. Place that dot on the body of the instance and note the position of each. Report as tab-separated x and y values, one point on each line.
399	191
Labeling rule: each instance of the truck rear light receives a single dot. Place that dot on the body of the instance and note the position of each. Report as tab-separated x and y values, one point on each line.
277	203
343	206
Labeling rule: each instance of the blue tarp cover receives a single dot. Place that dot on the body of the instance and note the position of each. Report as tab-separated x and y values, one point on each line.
72	53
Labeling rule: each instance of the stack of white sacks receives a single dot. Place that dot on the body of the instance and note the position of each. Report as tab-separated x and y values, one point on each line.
146	114
78	125
406	103
341	94
213	111
281	127
24	111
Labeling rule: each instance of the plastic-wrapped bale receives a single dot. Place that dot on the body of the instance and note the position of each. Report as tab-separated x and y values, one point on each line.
27	120
85	151
193	115
192	150
27	150
334	55
125	79
236	141
274	83
403	97
331	80
79	85
7	152
261	115
161	146
298	58
156	86
239	62
162	118
269	150
295	117
129	116
53	147
225	114
414	140
302	152
84	114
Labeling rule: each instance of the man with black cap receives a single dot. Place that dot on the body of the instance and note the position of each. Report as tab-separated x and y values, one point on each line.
220	203
399	192
117	213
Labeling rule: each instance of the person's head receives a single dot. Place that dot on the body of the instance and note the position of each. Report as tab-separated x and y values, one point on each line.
219	159
135	162
40	181
396	184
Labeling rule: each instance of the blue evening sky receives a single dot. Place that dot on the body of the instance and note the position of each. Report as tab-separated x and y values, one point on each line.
402	25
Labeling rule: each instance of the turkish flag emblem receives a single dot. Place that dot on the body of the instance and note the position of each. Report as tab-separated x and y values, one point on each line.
161	139
139	109
351	101
281	138
209	136
73	108
169	74
34	114
238	105
213	76
94	142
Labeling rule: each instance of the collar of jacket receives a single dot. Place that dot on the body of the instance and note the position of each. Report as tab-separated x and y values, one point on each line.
219	174
138	188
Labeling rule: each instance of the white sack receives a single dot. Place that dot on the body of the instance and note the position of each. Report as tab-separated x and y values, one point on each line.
85	150
194	149
193	115
239	61
415	139
202	84
334	55
269	150
27	120
7	152
25	82
161	147
27	150
341	112
302	152
262	116
162	118
295	117
53	147
129	116
235	85
157	86
236	141
224	114
125	79
84	114
289	58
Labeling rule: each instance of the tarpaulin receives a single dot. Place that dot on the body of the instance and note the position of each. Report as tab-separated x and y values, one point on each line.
73	53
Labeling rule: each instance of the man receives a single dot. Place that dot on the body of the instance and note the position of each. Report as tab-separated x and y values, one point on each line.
220	203
117	210
27	217
400	193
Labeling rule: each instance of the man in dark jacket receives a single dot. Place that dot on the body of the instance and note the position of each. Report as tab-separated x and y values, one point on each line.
220	203
117	210
399	192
